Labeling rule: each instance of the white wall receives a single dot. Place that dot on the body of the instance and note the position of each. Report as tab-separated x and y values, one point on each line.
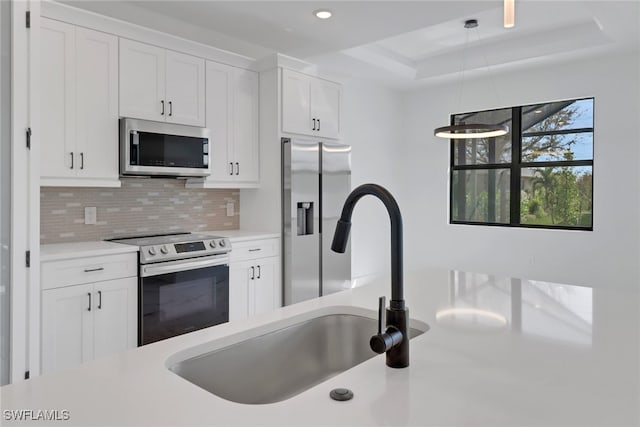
608	256
5	189
372	125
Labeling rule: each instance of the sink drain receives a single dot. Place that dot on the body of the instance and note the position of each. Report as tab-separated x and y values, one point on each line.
341	394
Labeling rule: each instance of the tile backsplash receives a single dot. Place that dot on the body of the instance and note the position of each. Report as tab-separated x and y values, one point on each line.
139	207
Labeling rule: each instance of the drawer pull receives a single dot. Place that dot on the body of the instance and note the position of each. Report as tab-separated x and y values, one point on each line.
89	270
255	250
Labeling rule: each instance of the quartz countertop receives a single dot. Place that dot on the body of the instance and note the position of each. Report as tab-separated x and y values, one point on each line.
242	235
499	352
59	251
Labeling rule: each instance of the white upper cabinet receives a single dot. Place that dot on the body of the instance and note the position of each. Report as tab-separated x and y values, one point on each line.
58	106
245	125
97	104
325	107
219	102
185	89
232	97
142	81
310	106
161	85
79	106
296	103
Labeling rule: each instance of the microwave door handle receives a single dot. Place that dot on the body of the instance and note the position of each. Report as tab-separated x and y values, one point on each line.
177	266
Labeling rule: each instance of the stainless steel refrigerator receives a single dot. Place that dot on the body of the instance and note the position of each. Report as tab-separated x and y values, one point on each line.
316	180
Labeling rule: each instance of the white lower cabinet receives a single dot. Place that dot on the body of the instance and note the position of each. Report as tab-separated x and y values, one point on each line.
81	322
254	283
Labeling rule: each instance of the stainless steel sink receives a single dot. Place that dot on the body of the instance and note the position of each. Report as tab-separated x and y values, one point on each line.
279	364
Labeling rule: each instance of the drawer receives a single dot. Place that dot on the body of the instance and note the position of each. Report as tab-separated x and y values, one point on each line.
57	274
252	249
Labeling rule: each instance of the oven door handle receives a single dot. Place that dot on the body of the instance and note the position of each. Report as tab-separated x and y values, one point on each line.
182	265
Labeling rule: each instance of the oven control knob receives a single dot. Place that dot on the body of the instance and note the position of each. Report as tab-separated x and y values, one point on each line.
212	243
164	249
221	243
152	251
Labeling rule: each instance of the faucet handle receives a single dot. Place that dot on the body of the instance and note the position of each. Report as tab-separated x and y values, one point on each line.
382	318
387	337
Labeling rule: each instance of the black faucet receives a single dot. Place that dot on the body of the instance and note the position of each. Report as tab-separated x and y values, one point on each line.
395	339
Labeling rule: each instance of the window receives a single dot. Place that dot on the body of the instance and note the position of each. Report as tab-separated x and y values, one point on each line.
538	175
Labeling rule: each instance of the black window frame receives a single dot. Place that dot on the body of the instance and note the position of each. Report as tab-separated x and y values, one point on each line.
516	165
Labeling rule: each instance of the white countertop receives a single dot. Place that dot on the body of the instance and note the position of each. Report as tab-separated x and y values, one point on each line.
58	251
500	352
242	235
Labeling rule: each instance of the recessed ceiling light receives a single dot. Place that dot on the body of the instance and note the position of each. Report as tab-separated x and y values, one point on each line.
538	111
322	13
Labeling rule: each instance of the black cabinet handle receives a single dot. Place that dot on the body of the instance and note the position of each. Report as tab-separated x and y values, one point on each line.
253	273
170	108
162	112
81	160
89	293
71	160
318	124
314	124
230	168
259	272
99	300
89	270
237	168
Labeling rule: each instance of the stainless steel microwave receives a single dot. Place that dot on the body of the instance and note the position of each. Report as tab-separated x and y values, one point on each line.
163	149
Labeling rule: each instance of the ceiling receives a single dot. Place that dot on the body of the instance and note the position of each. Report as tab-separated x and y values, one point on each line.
402	43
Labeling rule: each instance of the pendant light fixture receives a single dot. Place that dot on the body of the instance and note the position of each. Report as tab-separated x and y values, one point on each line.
509	13
475	130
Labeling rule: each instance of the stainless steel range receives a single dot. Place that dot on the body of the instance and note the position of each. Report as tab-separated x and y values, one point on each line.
183	283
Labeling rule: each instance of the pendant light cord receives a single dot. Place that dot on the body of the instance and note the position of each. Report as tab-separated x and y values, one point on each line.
462	75
492	80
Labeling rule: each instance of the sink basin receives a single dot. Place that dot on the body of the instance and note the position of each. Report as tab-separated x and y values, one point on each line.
282	363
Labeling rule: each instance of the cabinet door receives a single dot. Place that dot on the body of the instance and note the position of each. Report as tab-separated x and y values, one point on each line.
245	142
266	289
325	107
185	89
97	104
296	103
57	100
67	327
241	276
219	96
115	326
142	81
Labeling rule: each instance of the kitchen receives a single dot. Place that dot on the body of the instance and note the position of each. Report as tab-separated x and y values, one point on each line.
387	118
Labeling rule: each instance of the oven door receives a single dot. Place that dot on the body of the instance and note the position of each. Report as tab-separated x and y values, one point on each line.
177	297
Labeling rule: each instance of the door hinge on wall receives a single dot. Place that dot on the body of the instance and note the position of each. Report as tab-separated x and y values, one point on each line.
28	19
26	375
29	138
28	258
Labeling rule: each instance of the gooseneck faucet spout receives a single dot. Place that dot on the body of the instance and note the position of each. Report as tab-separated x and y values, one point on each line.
395	340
